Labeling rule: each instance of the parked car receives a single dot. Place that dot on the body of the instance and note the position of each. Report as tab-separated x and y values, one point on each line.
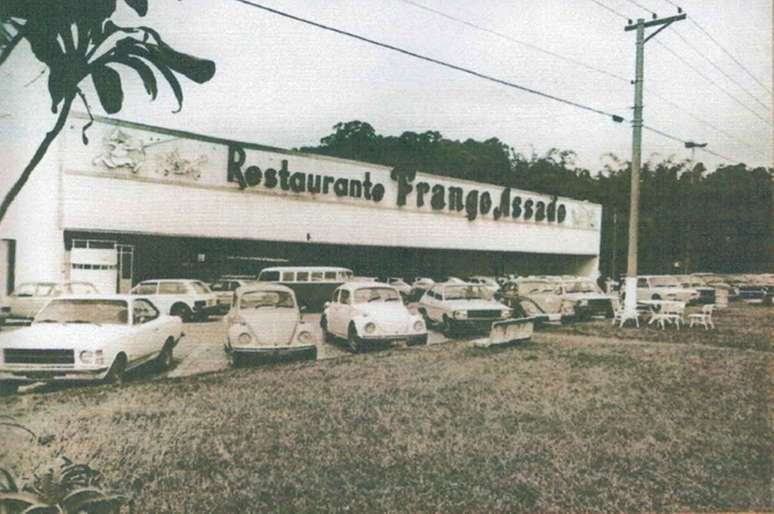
187	299
461	306
92	337
365	312
664	287
224	292
28	298
719	283
487	282
401	285
418	287
754	288
706	292
265	319
587	298
538	298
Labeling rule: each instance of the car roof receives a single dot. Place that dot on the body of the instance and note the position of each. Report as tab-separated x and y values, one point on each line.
263	286
358	285
306	268
99	296
171	280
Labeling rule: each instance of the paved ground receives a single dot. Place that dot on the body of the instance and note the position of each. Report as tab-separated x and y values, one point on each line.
201	350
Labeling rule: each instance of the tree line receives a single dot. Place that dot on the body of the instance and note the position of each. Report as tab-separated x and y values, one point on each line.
691	218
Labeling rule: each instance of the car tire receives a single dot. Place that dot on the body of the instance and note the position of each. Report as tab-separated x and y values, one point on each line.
165	359
656	297
353	341
182	311
8	388
115	375
327	336
446	327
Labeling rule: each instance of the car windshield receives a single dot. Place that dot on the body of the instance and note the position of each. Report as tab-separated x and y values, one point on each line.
376	294
464	293
581	286
258	299
665	282
98	312
535	287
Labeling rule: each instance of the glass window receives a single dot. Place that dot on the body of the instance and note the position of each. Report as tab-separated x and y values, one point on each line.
82	288
376	294
25	290
330	275
317	276
269	276
258	299
44	289
171	288
642	282
464	293
344	297
302	276
199	287
219	286
145	288
143	311
288	276
107	312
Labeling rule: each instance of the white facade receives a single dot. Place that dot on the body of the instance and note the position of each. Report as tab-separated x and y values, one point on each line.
133	179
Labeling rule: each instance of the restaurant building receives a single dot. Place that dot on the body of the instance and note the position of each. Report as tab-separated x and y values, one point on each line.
142	202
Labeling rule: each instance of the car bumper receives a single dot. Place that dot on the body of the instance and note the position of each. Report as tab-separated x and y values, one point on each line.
268	350
476	325
51	374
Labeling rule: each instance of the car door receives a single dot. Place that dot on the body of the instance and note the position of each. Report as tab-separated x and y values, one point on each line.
339	311
148	335
432	304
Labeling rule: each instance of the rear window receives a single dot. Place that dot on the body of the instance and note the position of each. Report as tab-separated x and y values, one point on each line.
200	288
82	288
171	288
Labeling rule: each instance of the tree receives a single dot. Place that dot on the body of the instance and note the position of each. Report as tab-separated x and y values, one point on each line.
76	39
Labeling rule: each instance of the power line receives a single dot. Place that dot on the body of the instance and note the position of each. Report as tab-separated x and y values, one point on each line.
517	41
637	4
445	64
749	73
729	77
708	79
604	6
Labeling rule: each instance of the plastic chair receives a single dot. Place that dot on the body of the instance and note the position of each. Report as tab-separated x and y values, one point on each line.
705	317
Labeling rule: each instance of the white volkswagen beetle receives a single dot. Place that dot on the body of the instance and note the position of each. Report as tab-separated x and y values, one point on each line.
87	337
265	319
363	312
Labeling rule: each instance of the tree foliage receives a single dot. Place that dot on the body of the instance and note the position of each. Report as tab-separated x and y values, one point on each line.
691	219
76	40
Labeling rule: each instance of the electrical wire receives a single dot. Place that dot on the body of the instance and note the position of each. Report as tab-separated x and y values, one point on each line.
684	142
748	72
708	79
637	4
603	6
517	41
614	117
729	77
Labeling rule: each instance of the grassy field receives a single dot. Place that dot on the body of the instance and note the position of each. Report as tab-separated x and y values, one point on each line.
565	423
741	326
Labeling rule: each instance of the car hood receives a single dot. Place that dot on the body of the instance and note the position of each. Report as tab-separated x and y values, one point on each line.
475	304
384	310
272	326
63	336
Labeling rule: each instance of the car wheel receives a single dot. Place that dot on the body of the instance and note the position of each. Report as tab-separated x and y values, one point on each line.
656	297
327	336
446	327
115	374
8	388
355	345
182	311
165	359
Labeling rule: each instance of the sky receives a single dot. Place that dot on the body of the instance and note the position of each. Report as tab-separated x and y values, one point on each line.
283	83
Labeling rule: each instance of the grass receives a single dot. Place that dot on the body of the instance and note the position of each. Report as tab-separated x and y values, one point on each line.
561	424
740	326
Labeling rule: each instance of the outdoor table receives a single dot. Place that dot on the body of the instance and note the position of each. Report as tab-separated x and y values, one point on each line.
663	311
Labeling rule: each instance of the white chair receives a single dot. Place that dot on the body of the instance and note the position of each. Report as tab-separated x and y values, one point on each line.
705	317
669	312
621	318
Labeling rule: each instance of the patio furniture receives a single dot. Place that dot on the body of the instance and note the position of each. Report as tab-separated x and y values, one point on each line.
704	317
620	317
664	312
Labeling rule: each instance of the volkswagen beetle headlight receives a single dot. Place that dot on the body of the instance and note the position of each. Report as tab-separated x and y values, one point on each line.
369	328
460	314
419	326
245	338
305	337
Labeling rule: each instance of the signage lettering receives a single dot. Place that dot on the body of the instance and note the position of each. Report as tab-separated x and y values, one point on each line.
455	199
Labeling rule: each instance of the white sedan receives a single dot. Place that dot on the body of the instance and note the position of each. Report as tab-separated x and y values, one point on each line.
265	319
87	337
457	306
363	312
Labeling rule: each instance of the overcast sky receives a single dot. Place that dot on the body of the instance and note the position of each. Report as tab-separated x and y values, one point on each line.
283	83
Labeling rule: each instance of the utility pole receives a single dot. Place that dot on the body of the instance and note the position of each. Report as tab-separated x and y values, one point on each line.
630	303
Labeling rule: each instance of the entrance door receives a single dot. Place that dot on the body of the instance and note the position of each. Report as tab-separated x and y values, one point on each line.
95	262
125	267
